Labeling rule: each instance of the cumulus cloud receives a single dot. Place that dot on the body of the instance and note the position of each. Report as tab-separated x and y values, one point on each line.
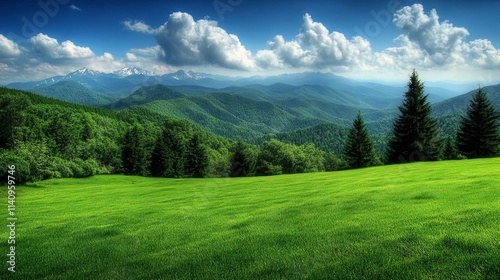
184	41
439	43
8	48
315	47
139	26
50	48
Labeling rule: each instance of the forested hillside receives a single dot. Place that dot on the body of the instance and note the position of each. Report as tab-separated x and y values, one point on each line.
191	131
74	92
49	138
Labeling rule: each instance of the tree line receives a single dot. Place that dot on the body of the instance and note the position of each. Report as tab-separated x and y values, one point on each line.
47	138
415	134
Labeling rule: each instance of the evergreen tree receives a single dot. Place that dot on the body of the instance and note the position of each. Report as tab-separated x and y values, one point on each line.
134	156
414	131
358	150
11	115
449	150
196	158
161	163
243	161
169	154
478	133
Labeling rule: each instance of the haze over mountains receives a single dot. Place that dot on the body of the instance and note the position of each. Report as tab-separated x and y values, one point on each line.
254	107
124	81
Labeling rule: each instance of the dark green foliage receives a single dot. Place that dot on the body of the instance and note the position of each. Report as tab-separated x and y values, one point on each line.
333	163
243	161
145	95
358	150
329	137
21	171
478	135
134	153
449	150
196	164
280	158
12	106
74	92
65	133
169	155
414	131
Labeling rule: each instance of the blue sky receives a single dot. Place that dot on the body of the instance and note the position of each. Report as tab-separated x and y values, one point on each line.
381	40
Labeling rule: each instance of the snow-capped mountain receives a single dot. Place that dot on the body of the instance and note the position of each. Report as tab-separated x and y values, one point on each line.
129	71
83	72
186	75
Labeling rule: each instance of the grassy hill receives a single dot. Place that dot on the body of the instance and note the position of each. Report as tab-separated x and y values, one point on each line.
434	220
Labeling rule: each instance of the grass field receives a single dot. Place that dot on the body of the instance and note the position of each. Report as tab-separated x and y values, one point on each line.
437	220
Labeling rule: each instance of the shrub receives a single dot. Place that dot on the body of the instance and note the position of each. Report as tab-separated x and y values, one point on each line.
22	170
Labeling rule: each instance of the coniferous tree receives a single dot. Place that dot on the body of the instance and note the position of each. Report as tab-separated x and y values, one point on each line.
478	134
450	150
161	162
414	131
134	156
358	150
169	154
243	161
11	109
196	158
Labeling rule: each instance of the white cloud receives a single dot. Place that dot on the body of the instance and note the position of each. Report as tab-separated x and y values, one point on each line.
50	48
8	48
316	48
139	26
131	56
440	44
184	41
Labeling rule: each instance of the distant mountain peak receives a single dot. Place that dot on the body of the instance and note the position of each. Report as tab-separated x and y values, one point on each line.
128	71
187	74
84	72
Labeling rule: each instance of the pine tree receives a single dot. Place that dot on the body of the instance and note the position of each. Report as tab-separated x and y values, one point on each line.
196	158
134	155
161	162
449	150
478	134
242	162
414	131
12	107
358	150
169	154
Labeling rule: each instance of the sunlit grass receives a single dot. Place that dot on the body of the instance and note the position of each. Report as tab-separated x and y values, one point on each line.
437	220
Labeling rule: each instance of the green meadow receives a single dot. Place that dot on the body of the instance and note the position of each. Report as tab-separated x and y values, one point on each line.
430	220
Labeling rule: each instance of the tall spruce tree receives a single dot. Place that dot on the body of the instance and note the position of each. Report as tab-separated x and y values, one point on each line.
478	134
358	150
449	150
196	158
414	131
169	154
134	156
243	161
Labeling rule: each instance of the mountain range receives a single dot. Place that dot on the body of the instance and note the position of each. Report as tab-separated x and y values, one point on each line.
125	81
254	107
